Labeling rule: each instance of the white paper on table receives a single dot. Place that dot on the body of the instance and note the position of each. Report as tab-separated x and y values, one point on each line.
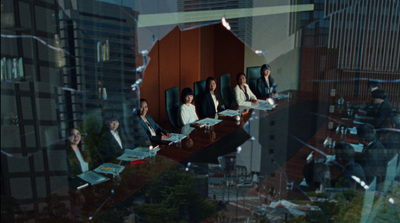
357	147
229	112
210	121
353	130
175	137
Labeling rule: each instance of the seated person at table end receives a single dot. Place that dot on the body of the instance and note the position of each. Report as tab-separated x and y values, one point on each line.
345	156
113	140
78	160
153	130
266	86
187	111
210	100
243	95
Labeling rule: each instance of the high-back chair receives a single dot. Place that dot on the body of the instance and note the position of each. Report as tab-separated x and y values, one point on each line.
226	90
172	106
253	73
199	88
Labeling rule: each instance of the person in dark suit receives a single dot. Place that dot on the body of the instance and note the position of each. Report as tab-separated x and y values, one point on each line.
154	132
113	140
373	157
266	86
345	156
210	100
382	109
390	137
77	159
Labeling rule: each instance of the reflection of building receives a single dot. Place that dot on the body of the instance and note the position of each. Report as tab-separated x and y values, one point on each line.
67	50
101	39
32	163
351	47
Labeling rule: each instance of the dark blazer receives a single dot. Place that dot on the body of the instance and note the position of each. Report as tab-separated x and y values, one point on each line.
380	113
110	148
262	90
353	169
207	107
373	161
74	167
155	126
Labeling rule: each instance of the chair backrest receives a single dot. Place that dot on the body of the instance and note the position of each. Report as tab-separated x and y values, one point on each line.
226	90
199	88
253	73
172	106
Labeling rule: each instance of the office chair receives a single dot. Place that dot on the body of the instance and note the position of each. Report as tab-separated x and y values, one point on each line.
253	73
199	88
226	90
172	106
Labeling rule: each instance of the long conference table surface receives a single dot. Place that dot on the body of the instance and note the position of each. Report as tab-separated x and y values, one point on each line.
285	136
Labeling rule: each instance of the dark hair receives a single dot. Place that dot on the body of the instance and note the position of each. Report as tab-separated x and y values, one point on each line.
185	92
209	79
373	83
367	132
111	119
345	151
238	76
142	100
379	94
263	68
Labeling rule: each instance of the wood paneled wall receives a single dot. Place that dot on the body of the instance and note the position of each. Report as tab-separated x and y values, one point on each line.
183	57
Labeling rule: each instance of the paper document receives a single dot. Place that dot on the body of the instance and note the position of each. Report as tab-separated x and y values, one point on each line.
357	147
175	137
210	121
92	177
109	168
229	112
134	154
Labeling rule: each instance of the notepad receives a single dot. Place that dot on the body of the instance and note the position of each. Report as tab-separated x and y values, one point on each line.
92	178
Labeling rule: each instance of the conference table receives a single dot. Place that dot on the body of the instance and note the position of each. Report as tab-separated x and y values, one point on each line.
286	135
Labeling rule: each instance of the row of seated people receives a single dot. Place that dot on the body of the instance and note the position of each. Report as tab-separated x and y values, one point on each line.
112	143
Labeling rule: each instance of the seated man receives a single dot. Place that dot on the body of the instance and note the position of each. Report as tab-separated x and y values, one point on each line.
112	144
381	109
390	137
345	156
374	153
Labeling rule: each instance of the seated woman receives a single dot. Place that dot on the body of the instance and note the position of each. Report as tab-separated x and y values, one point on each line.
243	95
77	160
187	111
266	86
153	130
113	140
210	101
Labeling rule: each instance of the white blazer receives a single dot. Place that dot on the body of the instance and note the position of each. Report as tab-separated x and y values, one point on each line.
240	97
